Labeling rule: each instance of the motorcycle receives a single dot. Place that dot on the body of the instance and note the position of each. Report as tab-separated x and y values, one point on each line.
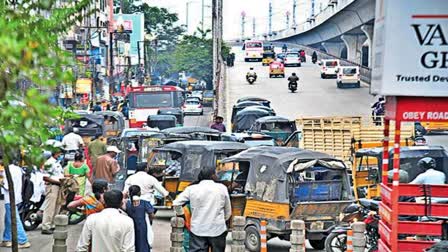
366	211
251	79
293	86
30	214
314	60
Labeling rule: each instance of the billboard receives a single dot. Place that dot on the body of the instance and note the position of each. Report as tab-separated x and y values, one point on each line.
410	48
134	23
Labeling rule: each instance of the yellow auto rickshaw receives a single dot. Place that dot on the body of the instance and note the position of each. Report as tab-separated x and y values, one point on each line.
268	58
276	68
280	184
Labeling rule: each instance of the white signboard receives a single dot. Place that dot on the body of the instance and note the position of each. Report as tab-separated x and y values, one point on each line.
410	48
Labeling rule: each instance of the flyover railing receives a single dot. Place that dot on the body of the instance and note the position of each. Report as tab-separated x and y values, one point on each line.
365	72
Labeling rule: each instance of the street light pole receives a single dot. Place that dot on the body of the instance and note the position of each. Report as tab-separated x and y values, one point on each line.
202	10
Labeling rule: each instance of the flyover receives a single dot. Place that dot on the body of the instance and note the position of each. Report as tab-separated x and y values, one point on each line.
342	29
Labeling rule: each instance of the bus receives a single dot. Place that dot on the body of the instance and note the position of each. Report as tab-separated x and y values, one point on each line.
254	50
146	101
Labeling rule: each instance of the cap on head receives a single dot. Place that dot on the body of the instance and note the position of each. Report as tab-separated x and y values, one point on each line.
113	149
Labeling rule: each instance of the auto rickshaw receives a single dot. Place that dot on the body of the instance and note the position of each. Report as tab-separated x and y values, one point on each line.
268	58
88	125
368	162
249	138
188	157
280	184
178	113
194	133
246	117
276	69
262	101
114	122
278	127
161	121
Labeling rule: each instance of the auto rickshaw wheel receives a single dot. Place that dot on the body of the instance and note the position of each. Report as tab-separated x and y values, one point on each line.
318	244
253	240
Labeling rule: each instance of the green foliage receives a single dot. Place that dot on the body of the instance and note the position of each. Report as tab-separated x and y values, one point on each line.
30	53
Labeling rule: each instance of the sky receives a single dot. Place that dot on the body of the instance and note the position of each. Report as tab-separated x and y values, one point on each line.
258	9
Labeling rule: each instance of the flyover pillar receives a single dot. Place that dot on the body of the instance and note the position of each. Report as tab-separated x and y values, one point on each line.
333	48
368	30
354	46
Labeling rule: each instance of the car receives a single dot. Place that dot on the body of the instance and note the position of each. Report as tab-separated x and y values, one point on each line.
348	75
192	106
193	98
208	98
197	94
292	59
132	132
329	68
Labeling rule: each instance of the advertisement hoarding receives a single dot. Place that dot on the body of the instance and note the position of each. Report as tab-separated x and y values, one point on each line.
410	48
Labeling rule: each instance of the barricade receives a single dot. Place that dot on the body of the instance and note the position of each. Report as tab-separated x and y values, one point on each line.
238	234
263	236
298	239
60	233
177	234
358	238
349	240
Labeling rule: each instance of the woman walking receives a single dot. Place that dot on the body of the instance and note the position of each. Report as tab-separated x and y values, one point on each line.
141	212
79	170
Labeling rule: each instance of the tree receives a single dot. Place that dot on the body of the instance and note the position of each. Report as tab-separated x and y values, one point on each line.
31	63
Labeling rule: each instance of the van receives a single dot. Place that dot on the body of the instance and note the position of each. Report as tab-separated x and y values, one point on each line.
348	75
328	68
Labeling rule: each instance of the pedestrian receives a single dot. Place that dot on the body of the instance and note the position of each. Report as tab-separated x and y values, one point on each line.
53	177
97	106
210	210
72	141
96	148
94	202
16	176
106	165
218	124
147	183
79	170
141	212
108	230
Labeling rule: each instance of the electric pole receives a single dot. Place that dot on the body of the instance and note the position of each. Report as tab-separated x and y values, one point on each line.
312	8
243	24
287	19
253	27
294	7
186	21
202	10
270	18
217	60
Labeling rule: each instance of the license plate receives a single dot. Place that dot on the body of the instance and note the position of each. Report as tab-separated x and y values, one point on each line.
317	225
350	75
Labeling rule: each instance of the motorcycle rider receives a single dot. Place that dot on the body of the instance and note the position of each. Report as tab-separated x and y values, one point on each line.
251	73
284	48
292	79
314	57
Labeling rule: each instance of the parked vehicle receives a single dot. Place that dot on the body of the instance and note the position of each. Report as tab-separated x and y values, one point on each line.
292	59
276	69
190	157
279	184
280	128
366	211
348	75
193	107
329	68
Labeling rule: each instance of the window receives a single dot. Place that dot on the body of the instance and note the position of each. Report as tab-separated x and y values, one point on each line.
331	63
350	71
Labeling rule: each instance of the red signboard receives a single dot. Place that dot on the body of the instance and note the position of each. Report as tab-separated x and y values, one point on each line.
426	109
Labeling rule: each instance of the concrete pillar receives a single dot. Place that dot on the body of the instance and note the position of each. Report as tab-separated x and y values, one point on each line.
60	233
333	48
177	234
297	236
238	234
368	31
354	47
359	238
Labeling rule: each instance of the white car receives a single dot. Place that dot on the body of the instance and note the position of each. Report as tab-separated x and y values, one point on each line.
192	106
348	75
328	68
292	59
197	94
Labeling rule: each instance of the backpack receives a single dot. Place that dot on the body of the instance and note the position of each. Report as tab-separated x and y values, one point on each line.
27	187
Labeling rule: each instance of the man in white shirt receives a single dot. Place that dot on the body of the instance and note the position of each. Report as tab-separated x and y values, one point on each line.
72	141
108	230
430	176
16	176
210	209
53	173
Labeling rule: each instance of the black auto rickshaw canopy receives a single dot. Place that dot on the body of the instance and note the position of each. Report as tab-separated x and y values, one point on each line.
161	121
264	102
173	111
268	55
246	117
197	155
194	133
89	125
114	122
274	173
